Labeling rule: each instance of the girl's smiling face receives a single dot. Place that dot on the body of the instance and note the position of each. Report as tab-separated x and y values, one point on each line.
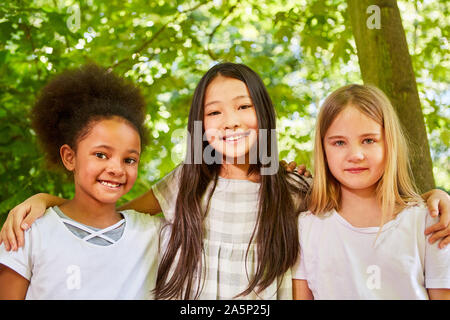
230	121
355	150
106	160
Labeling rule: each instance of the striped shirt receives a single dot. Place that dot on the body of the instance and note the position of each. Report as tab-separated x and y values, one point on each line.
229	225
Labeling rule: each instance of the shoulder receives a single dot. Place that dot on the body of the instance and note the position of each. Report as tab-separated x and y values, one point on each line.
135	218
416	217
166	192
312	229
306	215
308	219
47	222
416	211
168	186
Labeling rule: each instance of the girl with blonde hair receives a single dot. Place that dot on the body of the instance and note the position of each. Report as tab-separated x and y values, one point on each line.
363	237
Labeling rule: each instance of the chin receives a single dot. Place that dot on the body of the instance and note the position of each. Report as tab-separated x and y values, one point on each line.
236	155
109	199
360	186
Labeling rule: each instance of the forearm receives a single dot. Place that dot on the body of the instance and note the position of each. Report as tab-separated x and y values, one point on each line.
49	199
146	203
439	294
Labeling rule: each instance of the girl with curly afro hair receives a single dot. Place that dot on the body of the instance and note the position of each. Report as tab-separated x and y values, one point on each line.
91	122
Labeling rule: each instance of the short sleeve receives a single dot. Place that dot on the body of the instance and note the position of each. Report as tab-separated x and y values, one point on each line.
299	270
21	260
166	192
437	262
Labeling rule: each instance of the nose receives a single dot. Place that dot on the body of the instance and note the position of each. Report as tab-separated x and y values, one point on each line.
115	167
231	120
356	154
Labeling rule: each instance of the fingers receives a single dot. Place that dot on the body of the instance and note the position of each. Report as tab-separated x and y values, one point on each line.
18	232
444	211
11	239
301	169
440	235
3	235
30	218
441	230
291	166
8	239
1	240
435	227
444	242
433	206
11	233
20	224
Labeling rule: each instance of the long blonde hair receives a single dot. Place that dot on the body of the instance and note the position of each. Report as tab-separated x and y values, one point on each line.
395	190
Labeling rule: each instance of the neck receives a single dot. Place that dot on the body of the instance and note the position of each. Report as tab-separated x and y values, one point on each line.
90	212
360	207
237	171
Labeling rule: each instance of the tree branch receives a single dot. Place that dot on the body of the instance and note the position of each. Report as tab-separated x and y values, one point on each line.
211	35
156	35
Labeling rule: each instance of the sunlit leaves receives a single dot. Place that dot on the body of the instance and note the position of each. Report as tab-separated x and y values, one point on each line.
301	49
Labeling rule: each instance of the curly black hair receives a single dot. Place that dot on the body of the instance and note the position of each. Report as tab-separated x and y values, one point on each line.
74	100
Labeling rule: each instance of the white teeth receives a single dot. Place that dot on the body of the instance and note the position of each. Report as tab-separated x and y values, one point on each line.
109	184
234	138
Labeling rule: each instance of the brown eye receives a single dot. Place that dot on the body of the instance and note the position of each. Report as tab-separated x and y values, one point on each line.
100	155
130	161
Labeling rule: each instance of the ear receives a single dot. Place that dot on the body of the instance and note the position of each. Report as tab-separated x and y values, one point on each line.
67	156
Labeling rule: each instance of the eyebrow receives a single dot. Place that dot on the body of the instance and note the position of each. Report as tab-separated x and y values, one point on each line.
235	98
110	148
361	136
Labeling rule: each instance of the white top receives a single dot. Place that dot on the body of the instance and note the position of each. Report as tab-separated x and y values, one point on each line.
340	261
60	265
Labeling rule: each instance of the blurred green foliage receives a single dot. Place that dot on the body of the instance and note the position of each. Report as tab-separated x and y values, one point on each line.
302	49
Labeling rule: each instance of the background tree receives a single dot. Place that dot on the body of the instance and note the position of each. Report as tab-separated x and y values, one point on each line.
302	49
385	62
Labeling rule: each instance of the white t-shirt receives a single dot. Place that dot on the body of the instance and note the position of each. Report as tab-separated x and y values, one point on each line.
340	261
60	265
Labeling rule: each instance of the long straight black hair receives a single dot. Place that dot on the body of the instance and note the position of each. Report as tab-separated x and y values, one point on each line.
275	233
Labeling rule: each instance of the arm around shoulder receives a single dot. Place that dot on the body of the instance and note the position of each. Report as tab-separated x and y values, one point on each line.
22	216
160	198
146	203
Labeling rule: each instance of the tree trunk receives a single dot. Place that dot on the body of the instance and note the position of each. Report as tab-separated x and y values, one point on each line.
385	62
